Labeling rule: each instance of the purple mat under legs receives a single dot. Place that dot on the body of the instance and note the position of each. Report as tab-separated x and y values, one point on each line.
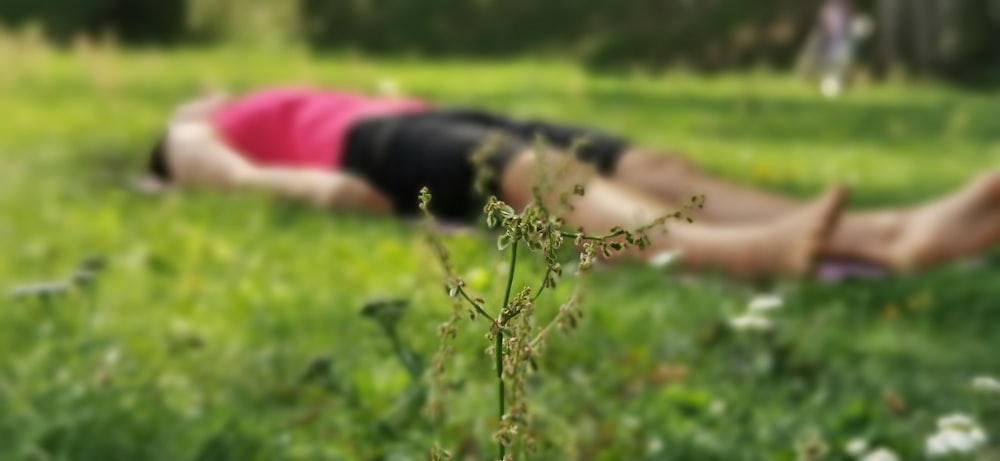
837	271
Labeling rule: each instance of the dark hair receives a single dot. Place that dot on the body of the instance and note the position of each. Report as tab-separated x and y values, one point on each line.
158	160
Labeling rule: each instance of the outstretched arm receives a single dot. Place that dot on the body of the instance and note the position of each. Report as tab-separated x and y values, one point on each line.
197	157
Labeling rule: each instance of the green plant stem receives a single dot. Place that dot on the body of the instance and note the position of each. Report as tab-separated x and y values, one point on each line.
498	348
548	272
477	306
621	232
593	238
552	323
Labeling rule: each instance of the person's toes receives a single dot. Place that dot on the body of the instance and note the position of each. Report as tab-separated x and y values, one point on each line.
819	221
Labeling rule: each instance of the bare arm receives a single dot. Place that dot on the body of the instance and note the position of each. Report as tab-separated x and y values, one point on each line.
197	157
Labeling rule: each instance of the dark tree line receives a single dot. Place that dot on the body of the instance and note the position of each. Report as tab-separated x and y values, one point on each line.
955	37
946	37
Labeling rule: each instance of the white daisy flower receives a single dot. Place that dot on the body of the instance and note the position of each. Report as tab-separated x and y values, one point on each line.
986	384
856	447
936	446
654	445
955	421
751	322
717	407
881	454
957	434
765	303
664	258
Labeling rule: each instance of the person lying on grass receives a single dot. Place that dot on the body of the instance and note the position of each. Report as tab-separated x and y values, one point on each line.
344	151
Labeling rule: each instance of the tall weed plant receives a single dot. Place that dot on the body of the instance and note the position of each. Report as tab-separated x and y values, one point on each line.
515	331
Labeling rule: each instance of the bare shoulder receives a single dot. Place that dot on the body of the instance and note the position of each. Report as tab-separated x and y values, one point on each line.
198	109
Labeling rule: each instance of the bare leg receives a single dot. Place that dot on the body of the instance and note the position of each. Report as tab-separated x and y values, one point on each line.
786	246
906	238
675	179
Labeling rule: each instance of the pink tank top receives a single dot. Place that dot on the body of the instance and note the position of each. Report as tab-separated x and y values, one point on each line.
300	127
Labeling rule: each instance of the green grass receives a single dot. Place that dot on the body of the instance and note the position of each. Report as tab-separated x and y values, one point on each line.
211	308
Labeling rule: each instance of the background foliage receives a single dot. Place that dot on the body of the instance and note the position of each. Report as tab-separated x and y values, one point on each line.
955	38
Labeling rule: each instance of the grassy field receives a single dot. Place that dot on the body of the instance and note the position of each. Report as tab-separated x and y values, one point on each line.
228	328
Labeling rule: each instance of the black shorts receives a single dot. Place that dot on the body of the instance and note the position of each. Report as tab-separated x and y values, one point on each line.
401	154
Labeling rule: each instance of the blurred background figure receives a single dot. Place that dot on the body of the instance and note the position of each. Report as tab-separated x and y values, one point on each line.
831	48
835	45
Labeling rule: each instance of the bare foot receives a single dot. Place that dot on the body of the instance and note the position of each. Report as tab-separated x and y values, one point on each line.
960	225
808	230
787	246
